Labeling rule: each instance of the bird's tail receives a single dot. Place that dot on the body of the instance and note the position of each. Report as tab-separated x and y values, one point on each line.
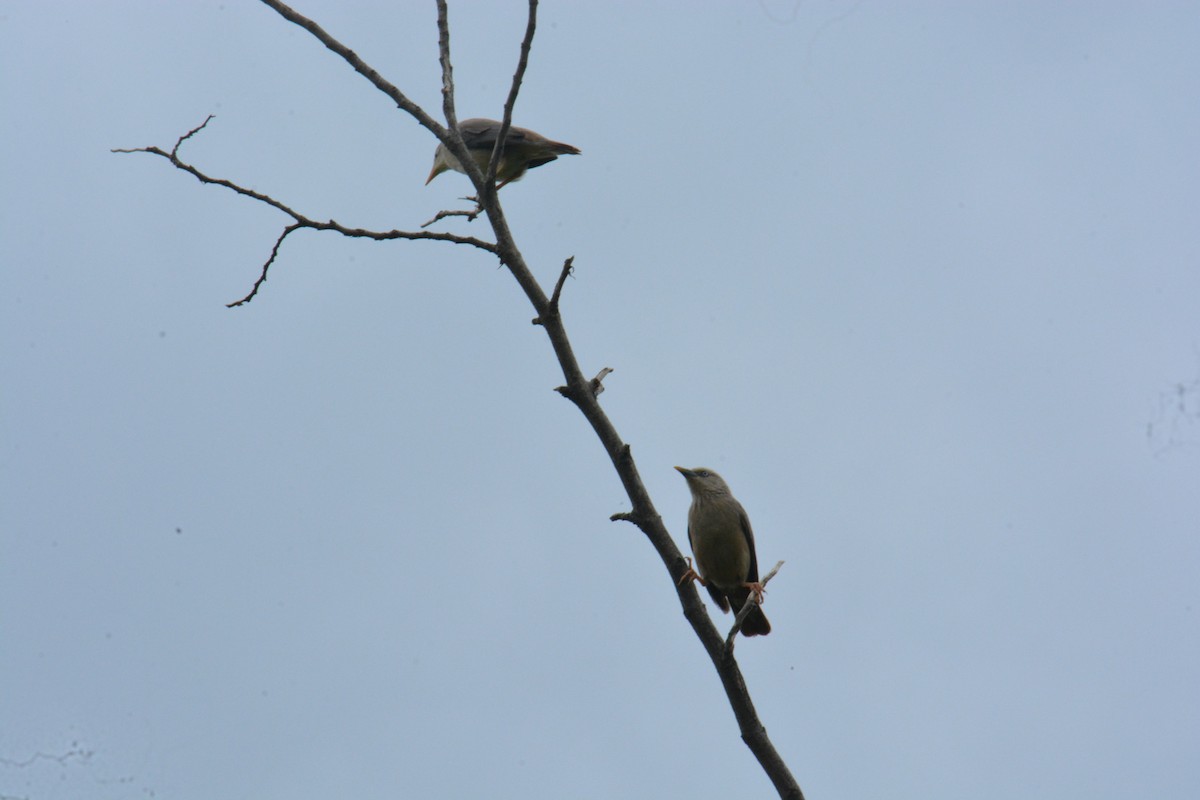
564	149
755	623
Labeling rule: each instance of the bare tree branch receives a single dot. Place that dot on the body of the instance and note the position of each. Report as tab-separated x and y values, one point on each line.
262	278
579	389
453	138
301	221
448	136
360	66
443	25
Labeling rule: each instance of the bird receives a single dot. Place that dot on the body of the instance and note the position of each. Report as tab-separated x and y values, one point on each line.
523	150
723	544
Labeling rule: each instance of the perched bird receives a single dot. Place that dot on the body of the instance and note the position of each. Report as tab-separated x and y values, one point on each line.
523	150
723	544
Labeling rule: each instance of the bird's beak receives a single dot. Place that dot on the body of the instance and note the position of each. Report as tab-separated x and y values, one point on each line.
685	472
440	163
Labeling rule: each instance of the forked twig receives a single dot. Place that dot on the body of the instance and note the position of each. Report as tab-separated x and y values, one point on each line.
299	220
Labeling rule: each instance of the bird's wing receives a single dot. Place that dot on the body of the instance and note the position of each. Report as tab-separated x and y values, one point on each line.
717	595
481	133
748	532
537	162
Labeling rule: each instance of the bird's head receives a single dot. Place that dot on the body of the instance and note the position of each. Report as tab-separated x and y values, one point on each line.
703	481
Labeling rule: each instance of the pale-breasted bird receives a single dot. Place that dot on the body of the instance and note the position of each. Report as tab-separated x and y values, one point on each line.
723	545
523	150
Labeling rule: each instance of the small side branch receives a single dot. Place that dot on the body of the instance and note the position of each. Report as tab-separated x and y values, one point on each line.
470	215
514	90
179	163
567	269
190	134
443	25
751	602
299	220
551	310
595	386
597	383
262	278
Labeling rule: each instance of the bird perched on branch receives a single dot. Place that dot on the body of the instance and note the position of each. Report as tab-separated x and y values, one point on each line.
523	150
723	544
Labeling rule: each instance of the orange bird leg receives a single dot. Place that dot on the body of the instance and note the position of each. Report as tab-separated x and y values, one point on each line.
692	575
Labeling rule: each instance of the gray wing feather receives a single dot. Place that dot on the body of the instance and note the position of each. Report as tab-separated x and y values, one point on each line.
480	133
748	532
717	595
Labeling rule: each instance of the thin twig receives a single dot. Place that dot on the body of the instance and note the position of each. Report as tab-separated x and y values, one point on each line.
552	307
190	134
304	221
567	269
744	611
443	26
470	215
262	278
515	89
453	136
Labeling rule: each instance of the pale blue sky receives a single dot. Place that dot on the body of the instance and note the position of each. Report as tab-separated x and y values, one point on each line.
920	280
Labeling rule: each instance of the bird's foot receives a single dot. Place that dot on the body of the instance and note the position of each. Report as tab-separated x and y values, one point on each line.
757	590
691	575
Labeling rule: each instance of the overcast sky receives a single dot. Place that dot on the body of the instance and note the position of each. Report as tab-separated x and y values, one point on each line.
919	279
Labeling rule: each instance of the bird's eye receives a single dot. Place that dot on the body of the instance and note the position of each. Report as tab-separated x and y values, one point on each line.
703	473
